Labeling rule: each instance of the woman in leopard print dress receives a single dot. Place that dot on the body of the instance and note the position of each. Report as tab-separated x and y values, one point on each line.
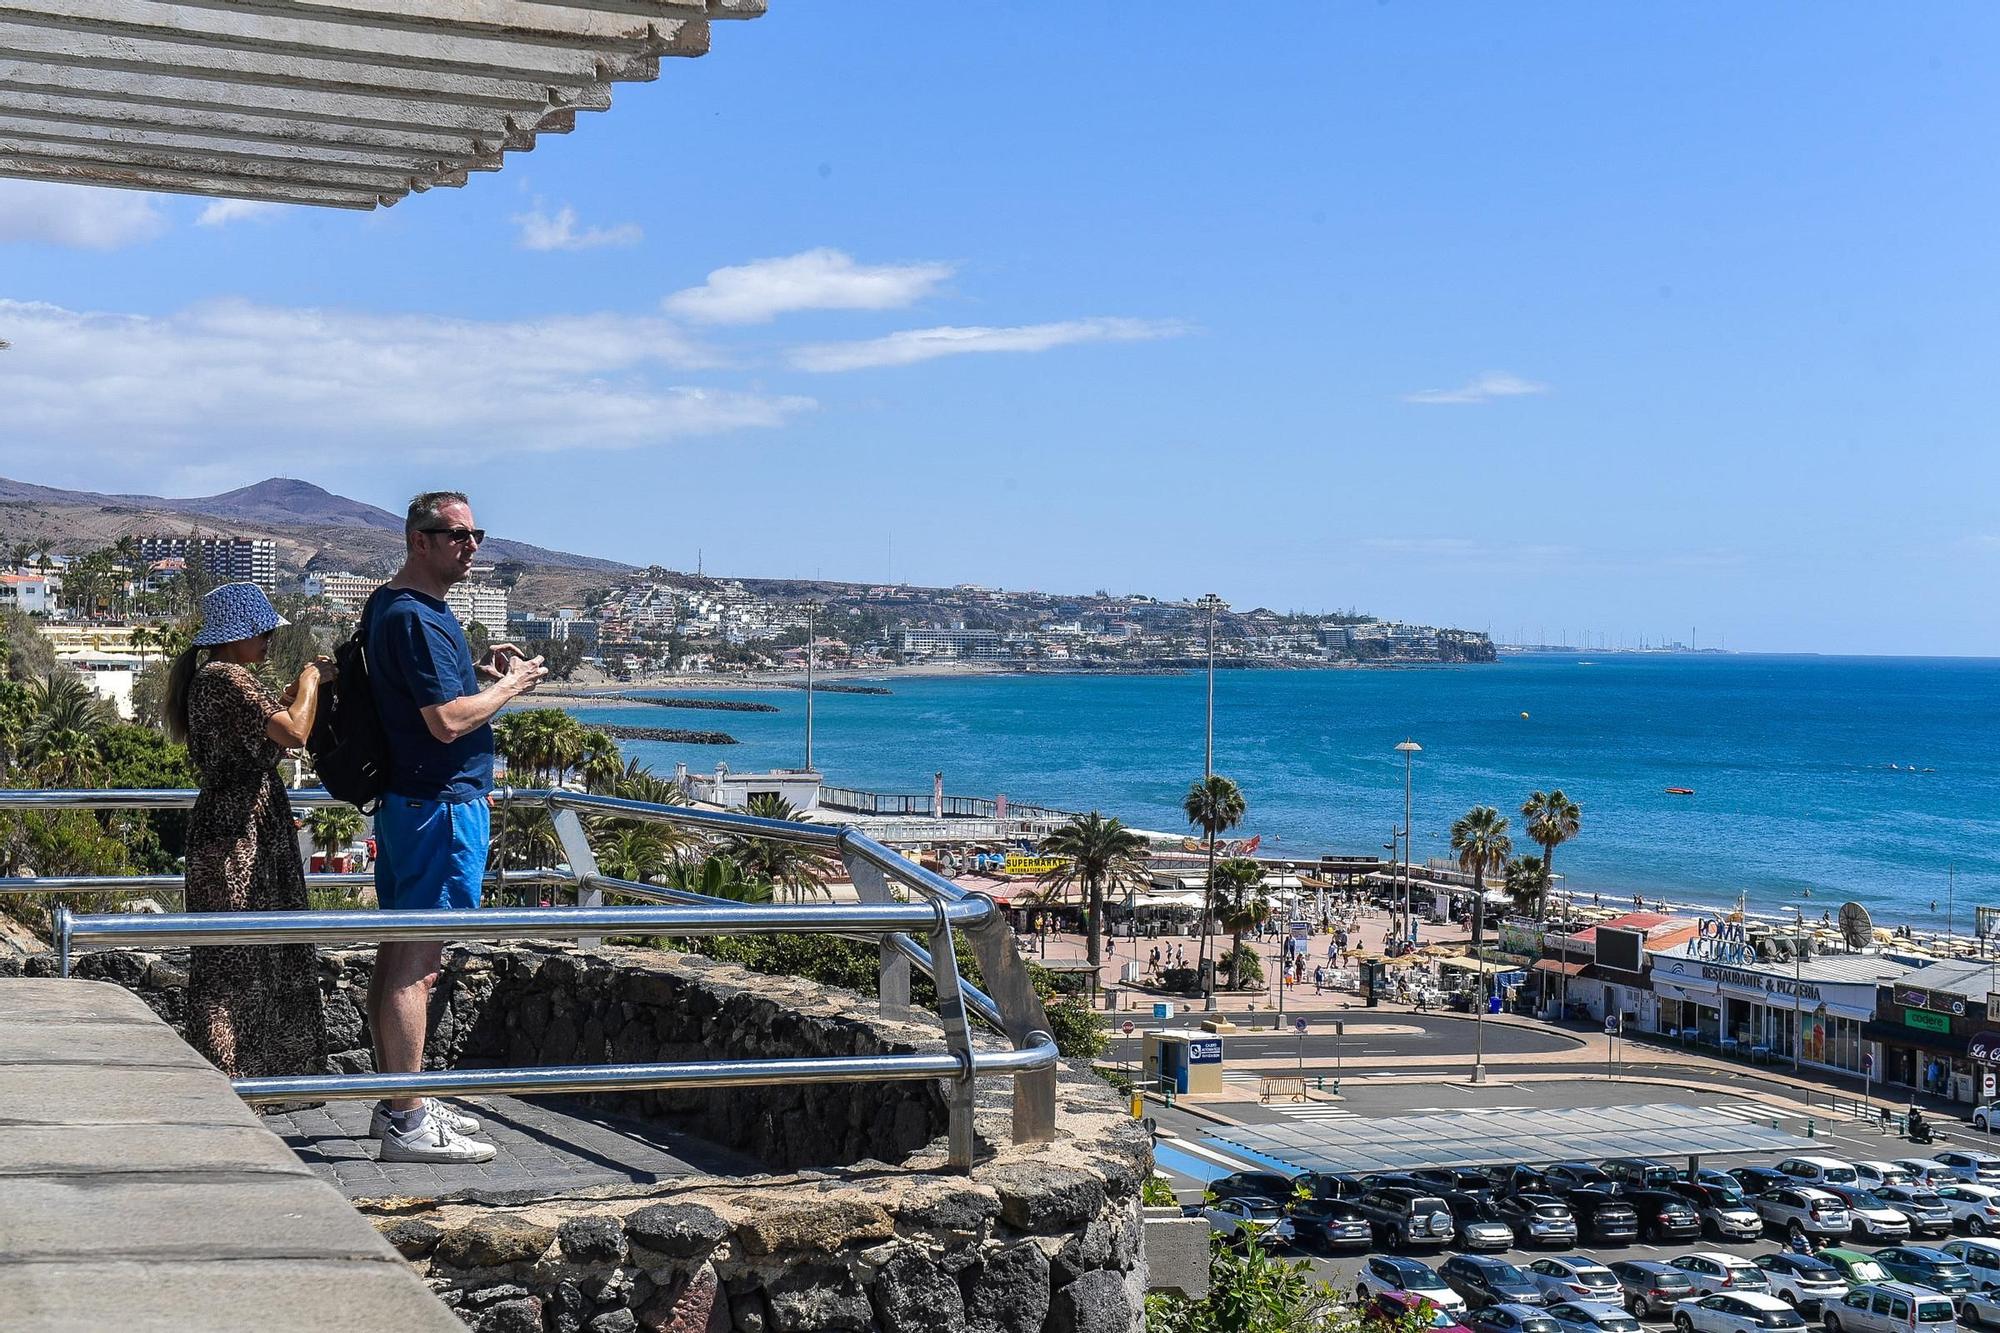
253	1010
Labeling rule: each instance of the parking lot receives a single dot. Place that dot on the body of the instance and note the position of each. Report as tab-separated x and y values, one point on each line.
1192	1152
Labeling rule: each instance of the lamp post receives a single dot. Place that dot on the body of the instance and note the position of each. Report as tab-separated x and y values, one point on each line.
1410	749
1798	974
812	607
1214	605
1479	1011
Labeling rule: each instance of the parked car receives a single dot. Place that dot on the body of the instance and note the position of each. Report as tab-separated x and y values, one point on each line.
1711	1271
1981	1168
1857	1267
1262	1218
1724	1212
1479	1223
1406	1217
1251	1185
1806	1282
1755	1180
1386	1272
1650	1286
1602	1213
1979	1309
1741	1312
1876	1173
1389	1308
1329	1184
1484	1280
1573	1175
1574	1277
1664	1215
1986	1118
1890	1307
1510	1318
1332	1224
1926	1170
1592	1317
1922	1205
1803	1210
1872	1215
1538	1219
1981	1256
1927	1267
1454	1179
1709	1175
1820	1170
1975	1207
1640	1172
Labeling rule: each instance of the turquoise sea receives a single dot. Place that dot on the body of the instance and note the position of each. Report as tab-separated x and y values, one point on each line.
1851	777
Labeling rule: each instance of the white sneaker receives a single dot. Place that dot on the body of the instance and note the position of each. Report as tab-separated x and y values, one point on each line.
457	1121
433	1141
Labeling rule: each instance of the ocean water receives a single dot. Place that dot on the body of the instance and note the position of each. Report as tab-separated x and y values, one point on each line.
1861	778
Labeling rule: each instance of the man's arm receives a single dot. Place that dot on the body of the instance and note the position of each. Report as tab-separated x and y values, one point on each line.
468	713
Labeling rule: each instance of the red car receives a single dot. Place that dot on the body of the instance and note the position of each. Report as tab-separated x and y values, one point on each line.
1388	1307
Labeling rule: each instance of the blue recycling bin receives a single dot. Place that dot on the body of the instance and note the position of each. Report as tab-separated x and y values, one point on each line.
1493	1004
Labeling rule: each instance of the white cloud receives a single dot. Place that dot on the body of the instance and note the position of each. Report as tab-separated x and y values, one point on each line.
822	279
1483	388
229	376
225	211
86	217
913	345
542	231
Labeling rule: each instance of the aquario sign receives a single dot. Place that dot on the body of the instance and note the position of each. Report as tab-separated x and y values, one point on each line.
1205	1051
1720	941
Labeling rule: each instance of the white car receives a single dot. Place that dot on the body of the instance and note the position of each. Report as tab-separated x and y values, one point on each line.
1891	1307
1820	1170
1806	1282
1981	1168
1876	1173
1381	1272
1975	1207
1591	1317
1803	1210
1714	1273
1259	1217
1979	1309
1872	1216
1981	1256
1575	1277
1745	1312
1986	1119
1925	1170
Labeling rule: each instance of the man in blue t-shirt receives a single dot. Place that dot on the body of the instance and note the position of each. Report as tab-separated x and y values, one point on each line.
431	830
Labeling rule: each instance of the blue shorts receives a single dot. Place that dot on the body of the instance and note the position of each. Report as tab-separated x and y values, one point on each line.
429	854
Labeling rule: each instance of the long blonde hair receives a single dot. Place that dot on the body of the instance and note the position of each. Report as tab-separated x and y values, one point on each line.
179	678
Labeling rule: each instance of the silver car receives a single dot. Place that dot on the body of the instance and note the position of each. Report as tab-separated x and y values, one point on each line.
1591	1317
1927	1212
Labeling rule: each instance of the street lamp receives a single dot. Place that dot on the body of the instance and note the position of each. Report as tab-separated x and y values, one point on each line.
1215	606
812	607
1410	749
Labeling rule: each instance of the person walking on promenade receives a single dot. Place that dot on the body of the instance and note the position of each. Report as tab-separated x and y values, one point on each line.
433	825
253	1010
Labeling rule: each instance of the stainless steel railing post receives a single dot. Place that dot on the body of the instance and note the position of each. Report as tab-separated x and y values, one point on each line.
957	1035
892	968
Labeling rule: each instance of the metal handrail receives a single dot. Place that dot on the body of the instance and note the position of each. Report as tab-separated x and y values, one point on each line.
1009	1004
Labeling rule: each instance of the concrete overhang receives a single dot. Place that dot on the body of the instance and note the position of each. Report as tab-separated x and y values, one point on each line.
341	103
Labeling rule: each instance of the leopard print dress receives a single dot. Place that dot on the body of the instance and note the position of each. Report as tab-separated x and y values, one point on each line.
253	1010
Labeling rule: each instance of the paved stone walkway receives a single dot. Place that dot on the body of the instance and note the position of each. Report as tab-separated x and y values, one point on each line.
548	1146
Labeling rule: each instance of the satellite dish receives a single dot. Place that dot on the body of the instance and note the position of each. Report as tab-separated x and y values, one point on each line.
1855	926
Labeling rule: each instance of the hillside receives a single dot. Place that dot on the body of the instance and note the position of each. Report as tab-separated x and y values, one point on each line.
314	528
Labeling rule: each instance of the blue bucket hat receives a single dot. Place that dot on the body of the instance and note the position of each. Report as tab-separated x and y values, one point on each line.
236	611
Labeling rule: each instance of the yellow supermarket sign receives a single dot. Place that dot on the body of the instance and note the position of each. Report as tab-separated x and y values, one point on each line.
1020	863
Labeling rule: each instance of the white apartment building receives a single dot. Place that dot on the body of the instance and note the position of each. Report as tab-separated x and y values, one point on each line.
472	600
225	559
28	593
959	642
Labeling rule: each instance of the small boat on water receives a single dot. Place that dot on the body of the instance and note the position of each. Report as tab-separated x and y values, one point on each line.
1680	791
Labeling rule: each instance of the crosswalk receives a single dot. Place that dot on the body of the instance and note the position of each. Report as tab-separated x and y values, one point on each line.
1755	1112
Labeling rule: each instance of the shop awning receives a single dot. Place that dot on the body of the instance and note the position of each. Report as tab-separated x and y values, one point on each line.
1559	967
1897	1034
1486	965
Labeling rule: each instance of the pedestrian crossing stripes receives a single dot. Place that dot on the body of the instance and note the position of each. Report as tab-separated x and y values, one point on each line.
1312	1112
1755	1112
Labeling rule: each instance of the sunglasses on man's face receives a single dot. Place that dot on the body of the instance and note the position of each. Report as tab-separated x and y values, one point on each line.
460	535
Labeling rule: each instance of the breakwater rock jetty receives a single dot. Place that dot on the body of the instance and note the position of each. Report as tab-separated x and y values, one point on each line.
713	705
620	732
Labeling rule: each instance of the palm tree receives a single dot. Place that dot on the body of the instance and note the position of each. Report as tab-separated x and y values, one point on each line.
719	877
791	866
633	852
1480	839
668	846
1527	882
1099	854
333	828
601	765
64	719
1214	805
1553	819
1241	903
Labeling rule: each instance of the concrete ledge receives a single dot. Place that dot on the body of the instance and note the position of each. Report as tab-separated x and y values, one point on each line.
137	1191
1177	1252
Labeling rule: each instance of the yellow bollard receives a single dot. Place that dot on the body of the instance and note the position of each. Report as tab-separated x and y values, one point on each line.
1138	1105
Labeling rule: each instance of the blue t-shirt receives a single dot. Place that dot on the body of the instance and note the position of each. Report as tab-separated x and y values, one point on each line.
418	657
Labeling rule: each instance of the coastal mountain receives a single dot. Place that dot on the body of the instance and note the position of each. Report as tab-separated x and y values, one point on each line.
314	528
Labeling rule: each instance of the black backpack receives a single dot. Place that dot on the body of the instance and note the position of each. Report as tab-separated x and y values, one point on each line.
347	744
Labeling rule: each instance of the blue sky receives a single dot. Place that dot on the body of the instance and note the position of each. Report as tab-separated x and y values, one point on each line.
1544	318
